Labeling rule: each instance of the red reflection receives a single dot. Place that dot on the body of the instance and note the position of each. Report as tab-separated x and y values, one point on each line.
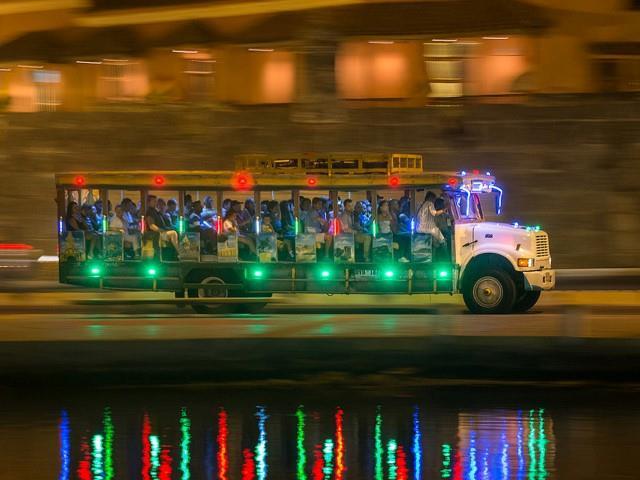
318	463
340	468
248	465
457	467
84	465
223	455
401	462
164	472
146	448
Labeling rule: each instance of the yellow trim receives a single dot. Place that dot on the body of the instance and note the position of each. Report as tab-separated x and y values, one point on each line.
192	12
8	8
209	180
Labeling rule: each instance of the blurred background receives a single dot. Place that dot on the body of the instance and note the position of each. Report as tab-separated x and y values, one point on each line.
542	93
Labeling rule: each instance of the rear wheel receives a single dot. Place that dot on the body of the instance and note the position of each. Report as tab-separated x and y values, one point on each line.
213	293
489	291
526	300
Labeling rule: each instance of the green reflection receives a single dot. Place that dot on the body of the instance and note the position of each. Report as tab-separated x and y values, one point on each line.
542	447
302	459
392	446
328	458
532	446
445	471
107	423
379	449
154	442
185	457
97	457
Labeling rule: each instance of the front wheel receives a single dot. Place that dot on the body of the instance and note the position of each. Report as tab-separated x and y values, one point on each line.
526	300
212	293
489	291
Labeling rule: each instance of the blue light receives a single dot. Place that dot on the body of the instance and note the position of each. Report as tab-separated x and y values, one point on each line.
413	225
261	447
65	446
417	445
463	173
516	224
489	174
466	190
499	190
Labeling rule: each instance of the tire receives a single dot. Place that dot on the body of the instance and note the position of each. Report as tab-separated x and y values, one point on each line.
526	300
203	293
489	292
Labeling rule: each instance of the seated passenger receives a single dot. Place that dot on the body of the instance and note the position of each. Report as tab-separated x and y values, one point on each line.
230	225
119	224
347	225
156	228
205	229
305	209
318	224
245	217
384	218
172	212
168	233
209	213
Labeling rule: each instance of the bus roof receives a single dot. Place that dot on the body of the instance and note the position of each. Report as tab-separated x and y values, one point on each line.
247	180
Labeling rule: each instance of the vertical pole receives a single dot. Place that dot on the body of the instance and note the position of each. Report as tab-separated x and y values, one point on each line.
296	209
374	211
257	199
333	195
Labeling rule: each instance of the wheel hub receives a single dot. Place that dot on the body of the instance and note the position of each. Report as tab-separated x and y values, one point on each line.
488	292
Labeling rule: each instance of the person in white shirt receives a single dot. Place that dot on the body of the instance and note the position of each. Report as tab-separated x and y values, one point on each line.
427	214
120	224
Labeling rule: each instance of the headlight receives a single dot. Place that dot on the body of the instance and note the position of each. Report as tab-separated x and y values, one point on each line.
526	262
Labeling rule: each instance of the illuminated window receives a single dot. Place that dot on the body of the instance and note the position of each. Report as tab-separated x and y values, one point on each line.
444	63
199	73
47	83
378	70
122	79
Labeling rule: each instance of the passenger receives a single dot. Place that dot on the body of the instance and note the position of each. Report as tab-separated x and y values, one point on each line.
91	233
156	227
444	224
288	230
230	225
318	224
245	218
348	225
168	233
119	224
130	215
188	205
305	209
267	226
401	228
99	214
384	218
209	213
427	214
226	205
198	225
172	212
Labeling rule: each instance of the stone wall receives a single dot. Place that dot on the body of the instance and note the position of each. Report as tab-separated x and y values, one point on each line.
571	165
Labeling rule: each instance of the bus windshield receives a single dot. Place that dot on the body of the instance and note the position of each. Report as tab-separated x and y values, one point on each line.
466	206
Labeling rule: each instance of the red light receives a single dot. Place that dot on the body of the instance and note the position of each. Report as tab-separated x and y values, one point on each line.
476	172
453	182
158	180
79	180
312	181
394	181
15	246
242	181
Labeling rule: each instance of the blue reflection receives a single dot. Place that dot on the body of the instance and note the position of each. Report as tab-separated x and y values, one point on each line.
417	445
473	462
261	447
65	446
520	447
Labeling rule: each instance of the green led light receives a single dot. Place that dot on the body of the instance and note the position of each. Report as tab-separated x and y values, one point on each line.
325	273
95	270
258	273
152	272
389	273
443	274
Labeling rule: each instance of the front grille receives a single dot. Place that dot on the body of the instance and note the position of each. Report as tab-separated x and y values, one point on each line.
542	245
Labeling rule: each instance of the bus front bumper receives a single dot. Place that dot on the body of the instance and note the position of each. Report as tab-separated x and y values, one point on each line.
539	280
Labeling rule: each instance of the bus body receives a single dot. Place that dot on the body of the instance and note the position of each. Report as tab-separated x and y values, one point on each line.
497	267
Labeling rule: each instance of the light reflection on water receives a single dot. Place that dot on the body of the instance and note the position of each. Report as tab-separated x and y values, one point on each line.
487	445
211	438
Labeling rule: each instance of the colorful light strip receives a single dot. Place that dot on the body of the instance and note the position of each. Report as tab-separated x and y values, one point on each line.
301	455
248	465
185	444
261	447
532	446
445	471
499	190
542	447
64	435
165	464
318	463
223	438
403	471
84	465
